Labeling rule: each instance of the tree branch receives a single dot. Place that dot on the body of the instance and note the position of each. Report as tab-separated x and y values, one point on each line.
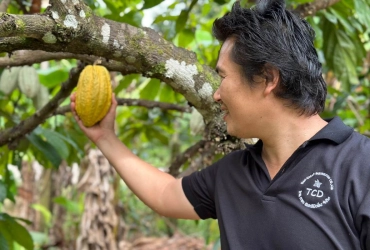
28	57
4	5
22	7
135	102
181	159
203	160
12	136
309	9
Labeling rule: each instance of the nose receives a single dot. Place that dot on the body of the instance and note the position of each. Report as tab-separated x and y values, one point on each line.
217	96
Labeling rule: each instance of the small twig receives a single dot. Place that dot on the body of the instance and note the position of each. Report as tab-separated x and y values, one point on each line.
35	6
4	5
184	157
309	9
22	7
204	159
134	102
355	112
153	104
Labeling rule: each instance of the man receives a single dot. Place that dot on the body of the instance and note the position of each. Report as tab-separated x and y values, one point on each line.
304	185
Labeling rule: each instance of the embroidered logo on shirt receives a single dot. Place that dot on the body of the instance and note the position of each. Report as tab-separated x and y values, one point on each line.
315	192
317	184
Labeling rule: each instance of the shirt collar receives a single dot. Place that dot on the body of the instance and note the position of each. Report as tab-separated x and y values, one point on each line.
335	131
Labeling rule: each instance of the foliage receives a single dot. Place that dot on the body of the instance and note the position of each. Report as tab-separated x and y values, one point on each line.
11	231
342	40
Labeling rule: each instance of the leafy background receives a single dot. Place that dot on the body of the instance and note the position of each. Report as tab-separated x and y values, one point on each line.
157	136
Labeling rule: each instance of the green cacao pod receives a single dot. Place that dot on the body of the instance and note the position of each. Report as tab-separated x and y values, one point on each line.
9	80
41	98
28	81
93	94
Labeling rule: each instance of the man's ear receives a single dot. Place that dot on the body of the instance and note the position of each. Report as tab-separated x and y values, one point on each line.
272	77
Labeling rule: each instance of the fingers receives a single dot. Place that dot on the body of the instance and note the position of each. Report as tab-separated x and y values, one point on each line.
114	104
73	110
73	97
73	102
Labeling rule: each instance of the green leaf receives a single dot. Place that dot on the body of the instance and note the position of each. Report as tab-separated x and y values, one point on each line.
125	82
44	211
181	20
130	134
10	184
162	18
15	231
343	16
167	94
151	3
48	150
4	244
53	76
330	17
133	17
150	91
153	132
69	205
114	6
57	141
3	192
186	36
221	2
206	8
362	10
343	53
39	238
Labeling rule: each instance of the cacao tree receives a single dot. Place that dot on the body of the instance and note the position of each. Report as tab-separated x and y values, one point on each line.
162	69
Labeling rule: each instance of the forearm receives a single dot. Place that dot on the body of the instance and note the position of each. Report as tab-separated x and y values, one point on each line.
146	181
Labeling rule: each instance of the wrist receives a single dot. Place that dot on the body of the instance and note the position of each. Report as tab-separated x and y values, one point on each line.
106	140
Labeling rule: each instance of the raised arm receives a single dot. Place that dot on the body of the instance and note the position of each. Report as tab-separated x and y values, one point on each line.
160	191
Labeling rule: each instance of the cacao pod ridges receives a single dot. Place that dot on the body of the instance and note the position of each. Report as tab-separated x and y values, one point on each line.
9	80
42	98
93	94
28	81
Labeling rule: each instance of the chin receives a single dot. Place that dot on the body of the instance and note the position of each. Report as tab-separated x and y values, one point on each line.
231	132
239	135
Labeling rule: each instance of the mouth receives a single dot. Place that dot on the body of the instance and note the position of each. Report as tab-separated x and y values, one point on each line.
224	112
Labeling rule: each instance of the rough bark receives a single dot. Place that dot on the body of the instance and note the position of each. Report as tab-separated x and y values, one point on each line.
309	9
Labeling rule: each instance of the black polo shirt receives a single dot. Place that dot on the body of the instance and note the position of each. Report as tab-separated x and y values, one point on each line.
320	199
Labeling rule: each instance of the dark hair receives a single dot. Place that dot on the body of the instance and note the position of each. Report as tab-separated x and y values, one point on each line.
268	35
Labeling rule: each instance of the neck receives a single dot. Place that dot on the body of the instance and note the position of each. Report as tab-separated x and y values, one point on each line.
285	137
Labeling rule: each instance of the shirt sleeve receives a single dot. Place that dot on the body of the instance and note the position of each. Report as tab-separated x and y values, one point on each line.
199	188
363	222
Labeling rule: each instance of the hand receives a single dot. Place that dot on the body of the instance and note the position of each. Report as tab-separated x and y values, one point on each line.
102	129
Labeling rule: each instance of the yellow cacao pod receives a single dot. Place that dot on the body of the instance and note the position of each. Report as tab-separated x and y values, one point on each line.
93	94
28	81
9	80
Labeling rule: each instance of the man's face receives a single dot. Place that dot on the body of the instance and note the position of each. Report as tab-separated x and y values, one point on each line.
240	102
